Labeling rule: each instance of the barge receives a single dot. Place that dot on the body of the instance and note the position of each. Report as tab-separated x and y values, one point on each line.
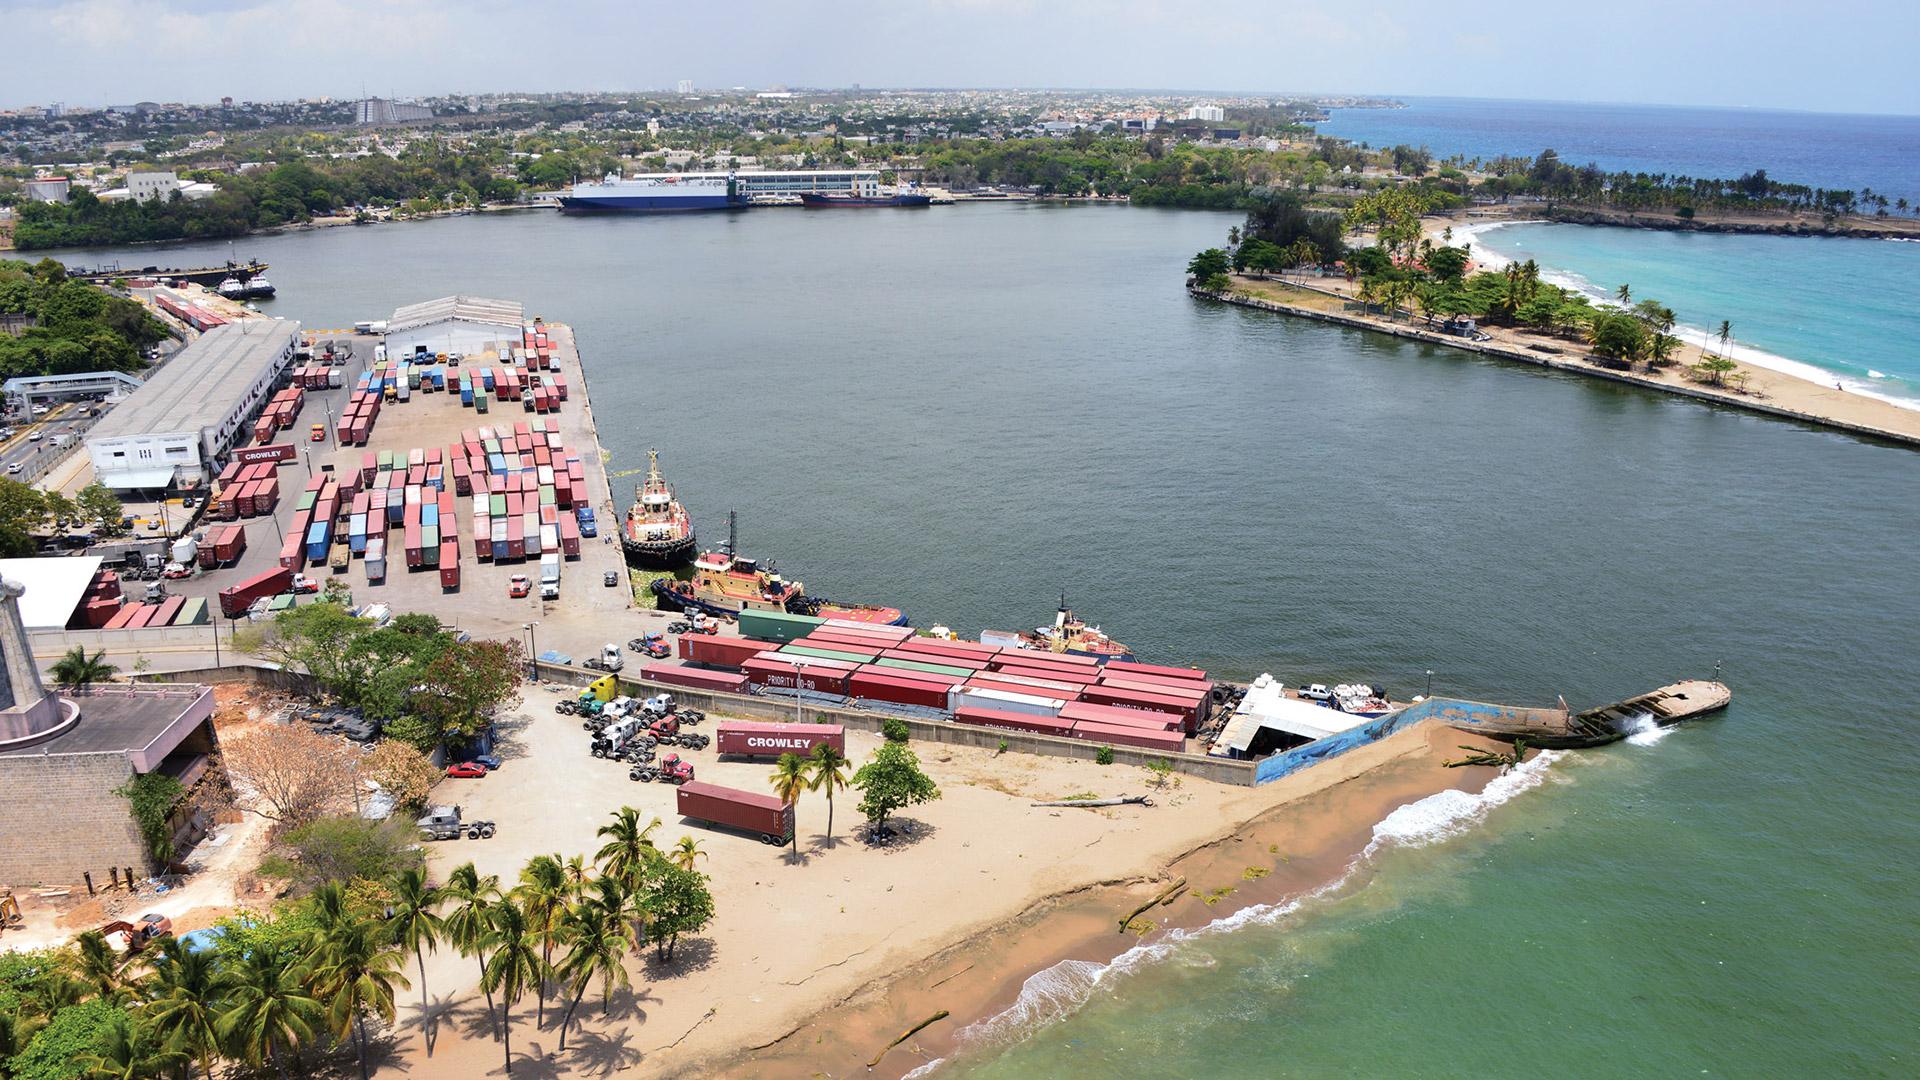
1567	730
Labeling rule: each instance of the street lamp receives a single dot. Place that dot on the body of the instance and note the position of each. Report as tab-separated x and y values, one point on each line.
533	658
1429	682
799	703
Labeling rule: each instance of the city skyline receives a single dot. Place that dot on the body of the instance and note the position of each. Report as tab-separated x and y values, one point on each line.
101	52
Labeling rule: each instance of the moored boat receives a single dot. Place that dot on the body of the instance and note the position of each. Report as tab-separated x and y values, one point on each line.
724	583
848	199
1068	634
657	532
655	195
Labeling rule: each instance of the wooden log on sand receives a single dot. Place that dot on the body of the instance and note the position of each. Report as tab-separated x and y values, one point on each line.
1124	800
1162	897
905	1035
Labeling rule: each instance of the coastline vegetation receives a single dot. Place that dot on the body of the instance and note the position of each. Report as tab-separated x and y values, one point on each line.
66	326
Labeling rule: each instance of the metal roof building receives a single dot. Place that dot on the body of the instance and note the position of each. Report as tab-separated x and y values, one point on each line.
56	585
193	408
1267	719
461	324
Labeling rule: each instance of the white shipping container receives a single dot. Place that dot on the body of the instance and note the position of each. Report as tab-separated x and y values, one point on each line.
1005	700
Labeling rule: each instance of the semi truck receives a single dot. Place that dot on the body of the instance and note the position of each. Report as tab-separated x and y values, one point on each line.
235	601
550	576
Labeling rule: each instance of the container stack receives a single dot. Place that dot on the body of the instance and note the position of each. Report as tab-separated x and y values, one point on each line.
407	491
523	488
244	491
281	411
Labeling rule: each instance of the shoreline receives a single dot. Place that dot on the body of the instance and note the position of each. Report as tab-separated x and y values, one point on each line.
1774	393
1040	965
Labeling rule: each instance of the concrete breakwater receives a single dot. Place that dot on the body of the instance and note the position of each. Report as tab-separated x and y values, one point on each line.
1557	363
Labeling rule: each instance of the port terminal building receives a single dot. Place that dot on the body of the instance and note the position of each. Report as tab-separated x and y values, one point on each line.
790	183
462	324
192	409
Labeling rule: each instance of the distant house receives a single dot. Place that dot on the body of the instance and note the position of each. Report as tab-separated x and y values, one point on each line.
51	189
149	186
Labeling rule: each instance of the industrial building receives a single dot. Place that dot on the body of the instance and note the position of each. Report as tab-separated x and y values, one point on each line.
157	186
384	111
192	409
461	324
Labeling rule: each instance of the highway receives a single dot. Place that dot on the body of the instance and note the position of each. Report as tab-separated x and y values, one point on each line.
24	450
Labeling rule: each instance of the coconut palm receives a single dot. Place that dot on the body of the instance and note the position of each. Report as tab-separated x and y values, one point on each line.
269	1009
628	846
328	907
184	995
1624	294
514	965
473	898
98	965
829	767
687	850
414	923
597	944
1725	334
129	1050
789	779
621	905
577	870
76	671
355	971
543	893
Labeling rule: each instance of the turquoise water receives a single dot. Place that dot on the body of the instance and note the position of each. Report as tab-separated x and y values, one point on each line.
1850	307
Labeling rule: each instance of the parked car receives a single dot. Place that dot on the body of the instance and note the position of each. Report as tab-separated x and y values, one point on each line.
611	578
466	770
518	586
491	761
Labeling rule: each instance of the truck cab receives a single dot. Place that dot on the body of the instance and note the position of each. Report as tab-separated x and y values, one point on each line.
550	576
440	823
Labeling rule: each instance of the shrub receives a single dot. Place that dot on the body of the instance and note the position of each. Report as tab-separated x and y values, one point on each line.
55	1050
1103	756
895	729
342	848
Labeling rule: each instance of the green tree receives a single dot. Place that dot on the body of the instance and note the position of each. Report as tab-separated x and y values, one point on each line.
628	848
788	780
98	965
355	970
828	771
22	512
1447	263
101	506
415	925
1210	265
685	852
462	687
891	781
1725	333
677	902
543	894
269	1010
514	965
75	671
597	945
55	1051
130	1049
468	925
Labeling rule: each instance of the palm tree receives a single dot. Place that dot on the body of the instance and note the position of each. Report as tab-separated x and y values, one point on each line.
1624	294
414	923
789	779
184	995
76	671
628	846
269	1008
577	871
1725	333
514	965
597	946
355	971
543	891
98	965
466	925
829	772
130	1050
687	850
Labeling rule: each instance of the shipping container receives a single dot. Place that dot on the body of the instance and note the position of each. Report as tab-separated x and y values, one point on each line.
729	652
376	560
1114	716
1014	721
122	617
981	697
169	609
850	657
818	678
1034	688
940	647
449	565
192	613
915	665
1184	690
570	536
764	815
696	678
895	634
1118	667
1187	713
881	685
1168	742
234	601
746	738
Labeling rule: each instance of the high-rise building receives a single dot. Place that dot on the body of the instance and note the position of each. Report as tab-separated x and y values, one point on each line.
1211	113
384	111
684	86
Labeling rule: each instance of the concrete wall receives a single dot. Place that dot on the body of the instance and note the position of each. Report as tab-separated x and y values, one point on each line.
59	818
52	644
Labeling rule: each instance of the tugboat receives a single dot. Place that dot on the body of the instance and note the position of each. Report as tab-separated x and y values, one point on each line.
1068	634
657	533
848	199
726	584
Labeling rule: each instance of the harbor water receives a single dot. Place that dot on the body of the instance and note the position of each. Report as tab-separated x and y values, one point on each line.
965	410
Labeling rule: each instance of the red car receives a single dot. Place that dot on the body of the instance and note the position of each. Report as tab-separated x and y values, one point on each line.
467	770
518	586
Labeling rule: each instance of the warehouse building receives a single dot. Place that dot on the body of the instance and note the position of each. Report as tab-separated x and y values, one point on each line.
461	324
192	409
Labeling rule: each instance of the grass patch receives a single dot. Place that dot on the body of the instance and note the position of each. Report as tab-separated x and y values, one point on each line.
1216	895
1254	873
1081	796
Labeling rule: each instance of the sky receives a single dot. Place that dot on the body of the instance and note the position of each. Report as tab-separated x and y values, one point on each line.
1850	56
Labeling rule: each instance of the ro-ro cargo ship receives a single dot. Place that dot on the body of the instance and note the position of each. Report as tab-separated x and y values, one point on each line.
655	195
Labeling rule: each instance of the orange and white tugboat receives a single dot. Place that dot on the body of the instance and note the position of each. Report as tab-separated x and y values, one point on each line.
657	533
1068	634
725	584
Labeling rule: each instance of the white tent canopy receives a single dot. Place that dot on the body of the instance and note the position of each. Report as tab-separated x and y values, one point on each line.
1267	706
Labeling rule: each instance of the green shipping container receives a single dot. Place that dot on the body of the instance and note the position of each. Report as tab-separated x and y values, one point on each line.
915	665
281	602
384	463
497	506
491	446
776	625
192	613
546	495
828	654
306	500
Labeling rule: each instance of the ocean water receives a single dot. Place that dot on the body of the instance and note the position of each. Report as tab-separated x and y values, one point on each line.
1829	150
1837	309
964	410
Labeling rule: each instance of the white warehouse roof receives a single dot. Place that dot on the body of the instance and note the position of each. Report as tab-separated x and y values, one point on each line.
1267	706
55	585
473	309
196	389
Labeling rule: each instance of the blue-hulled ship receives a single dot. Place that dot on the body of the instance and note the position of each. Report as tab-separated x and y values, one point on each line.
655	195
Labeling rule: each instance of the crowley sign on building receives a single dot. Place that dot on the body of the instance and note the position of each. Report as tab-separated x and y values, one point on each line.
771	740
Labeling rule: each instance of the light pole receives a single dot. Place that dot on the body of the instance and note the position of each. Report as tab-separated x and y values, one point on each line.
1429	682
799	703
215	623
533	658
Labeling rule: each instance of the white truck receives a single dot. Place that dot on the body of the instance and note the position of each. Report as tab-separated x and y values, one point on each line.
609	659
550	577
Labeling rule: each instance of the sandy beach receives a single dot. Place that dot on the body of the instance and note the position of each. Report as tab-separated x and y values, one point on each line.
812	965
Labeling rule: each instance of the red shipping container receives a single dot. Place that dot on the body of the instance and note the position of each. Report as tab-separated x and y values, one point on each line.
728	652
748	739
1069	676
1184	689
1131	699
570	536
168	610
1170	742
123	616
746	810
98	613
1021	684
965	663
1114	716
698	678
1115	667
867	683
938	647
449	565
997	718
821	678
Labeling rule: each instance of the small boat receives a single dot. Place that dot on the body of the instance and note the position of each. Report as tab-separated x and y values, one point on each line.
233	289
847	199
257	288
1564	729
726	584
657	533
1068	634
